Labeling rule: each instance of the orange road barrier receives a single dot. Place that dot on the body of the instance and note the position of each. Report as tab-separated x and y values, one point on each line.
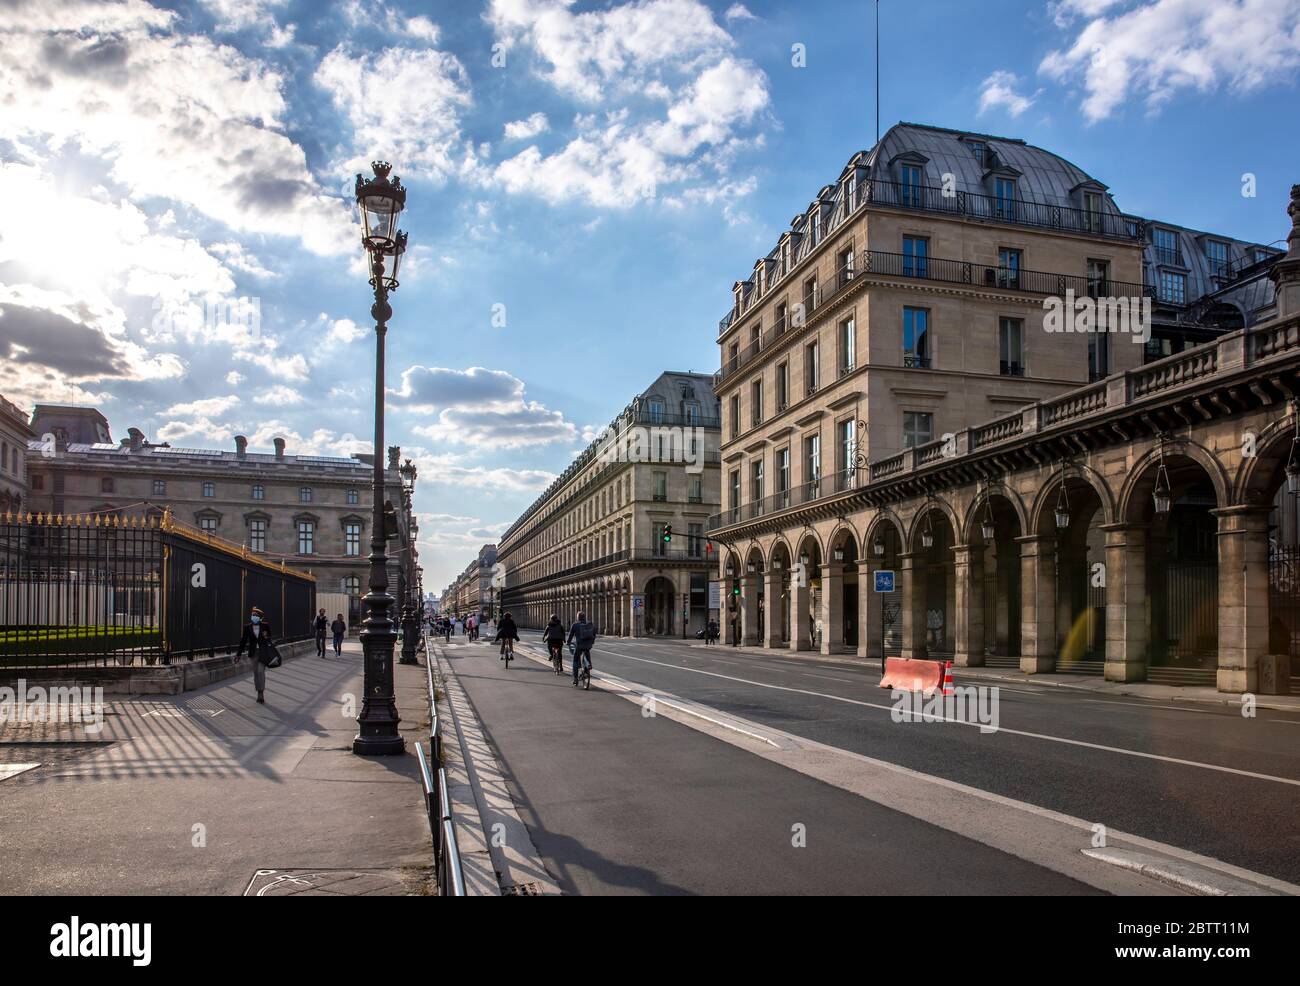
910	675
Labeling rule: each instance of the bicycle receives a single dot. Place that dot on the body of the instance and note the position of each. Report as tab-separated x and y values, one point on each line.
557	656
508	650
584	671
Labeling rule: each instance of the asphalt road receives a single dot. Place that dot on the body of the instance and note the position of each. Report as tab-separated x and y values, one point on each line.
617	802
1137	785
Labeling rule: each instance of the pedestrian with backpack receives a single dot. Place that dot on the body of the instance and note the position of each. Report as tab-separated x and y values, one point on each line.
582	635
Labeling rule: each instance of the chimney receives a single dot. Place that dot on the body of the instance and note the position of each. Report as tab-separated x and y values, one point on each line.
279	447
137	439
1286	272
394	453
241	446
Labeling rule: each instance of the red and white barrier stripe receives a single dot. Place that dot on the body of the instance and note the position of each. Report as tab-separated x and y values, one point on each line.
948	688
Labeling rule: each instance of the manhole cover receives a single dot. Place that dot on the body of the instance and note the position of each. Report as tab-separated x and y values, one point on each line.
327	883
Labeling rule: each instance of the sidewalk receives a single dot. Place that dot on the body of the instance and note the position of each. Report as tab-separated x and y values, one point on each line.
211	793
1081	682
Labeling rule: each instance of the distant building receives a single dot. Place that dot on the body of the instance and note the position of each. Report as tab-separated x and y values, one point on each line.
14	437
313	512
473	591
620	534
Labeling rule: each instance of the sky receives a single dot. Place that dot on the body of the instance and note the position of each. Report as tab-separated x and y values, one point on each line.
178	240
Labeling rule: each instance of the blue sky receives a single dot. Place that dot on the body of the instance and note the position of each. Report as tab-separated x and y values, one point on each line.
603	171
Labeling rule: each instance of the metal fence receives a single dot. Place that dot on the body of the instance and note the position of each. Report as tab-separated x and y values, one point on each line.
103	591
448	871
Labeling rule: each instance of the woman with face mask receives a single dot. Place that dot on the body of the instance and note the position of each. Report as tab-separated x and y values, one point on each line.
257	638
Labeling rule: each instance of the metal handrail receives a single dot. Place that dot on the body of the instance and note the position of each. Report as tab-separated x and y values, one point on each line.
448	870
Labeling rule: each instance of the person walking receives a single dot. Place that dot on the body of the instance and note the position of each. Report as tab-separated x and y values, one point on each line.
322	624
711	633
582	635
446	631
261	648
338	628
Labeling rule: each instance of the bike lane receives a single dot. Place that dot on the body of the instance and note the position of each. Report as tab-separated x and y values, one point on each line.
618	802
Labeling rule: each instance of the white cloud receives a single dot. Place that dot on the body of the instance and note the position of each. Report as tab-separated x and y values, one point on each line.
206	406
53	342
657	51
404	104
279	396
1162	47
999	91
234	378
739	12
428	388
174	116
527	424
344	331
527	129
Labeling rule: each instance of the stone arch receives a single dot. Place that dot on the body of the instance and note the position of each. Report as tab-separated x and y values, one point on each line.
934	505
970	532
1040	519
1256	475
1141	476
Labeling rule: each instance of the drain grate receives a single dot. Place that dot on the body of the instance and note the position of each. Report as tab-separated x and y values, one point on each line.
522	890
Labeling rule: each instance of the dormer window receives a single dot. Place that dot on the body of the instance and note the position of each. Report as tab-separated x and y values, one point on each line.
980	150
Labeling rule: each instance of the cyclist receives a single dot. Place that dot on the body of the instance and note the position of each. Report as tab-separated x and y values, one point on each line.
582	634
554	637
507	634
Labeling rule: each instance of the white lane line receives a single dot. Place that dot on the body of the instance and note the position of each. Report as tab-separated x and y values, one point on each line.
828	677
1001	729
1143	705
8	770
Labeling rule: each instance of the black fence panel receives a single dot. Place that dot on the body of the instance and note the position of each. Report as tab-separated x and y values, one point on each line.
103	591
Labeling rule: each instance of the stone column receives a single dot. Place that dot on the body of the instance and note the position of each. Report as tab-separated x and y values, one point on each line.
912	571
1243	596
968	579
1038	603
751	634
772	585
800	632
832	613
870	618
1128	615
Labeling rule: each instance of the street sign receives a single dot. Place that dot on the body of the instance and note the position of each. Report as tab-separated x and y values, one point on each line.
884	581
715	595
638	602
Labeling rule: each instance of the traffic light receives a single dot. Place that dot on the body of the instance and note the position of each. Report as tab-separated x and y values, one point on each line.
668	533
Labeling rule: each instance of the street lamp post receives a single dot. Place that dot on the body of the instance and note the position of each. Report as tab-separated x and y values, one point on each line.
409	625
381	202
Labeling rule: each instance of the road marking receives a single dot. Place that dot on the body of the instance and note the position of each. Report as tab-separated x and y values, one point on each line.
828	677
787	742
1001	729
8	770
1143	705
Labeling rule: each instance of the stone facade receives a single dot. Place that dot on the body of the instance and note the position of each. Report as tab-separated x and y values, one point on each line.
14	437
595	540
311	512
1141	526
909	301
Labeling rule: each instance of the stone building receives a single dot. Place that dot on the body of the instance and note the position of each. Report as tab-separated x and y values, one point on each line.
312	512
473	591
14	437
620	533
946	278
